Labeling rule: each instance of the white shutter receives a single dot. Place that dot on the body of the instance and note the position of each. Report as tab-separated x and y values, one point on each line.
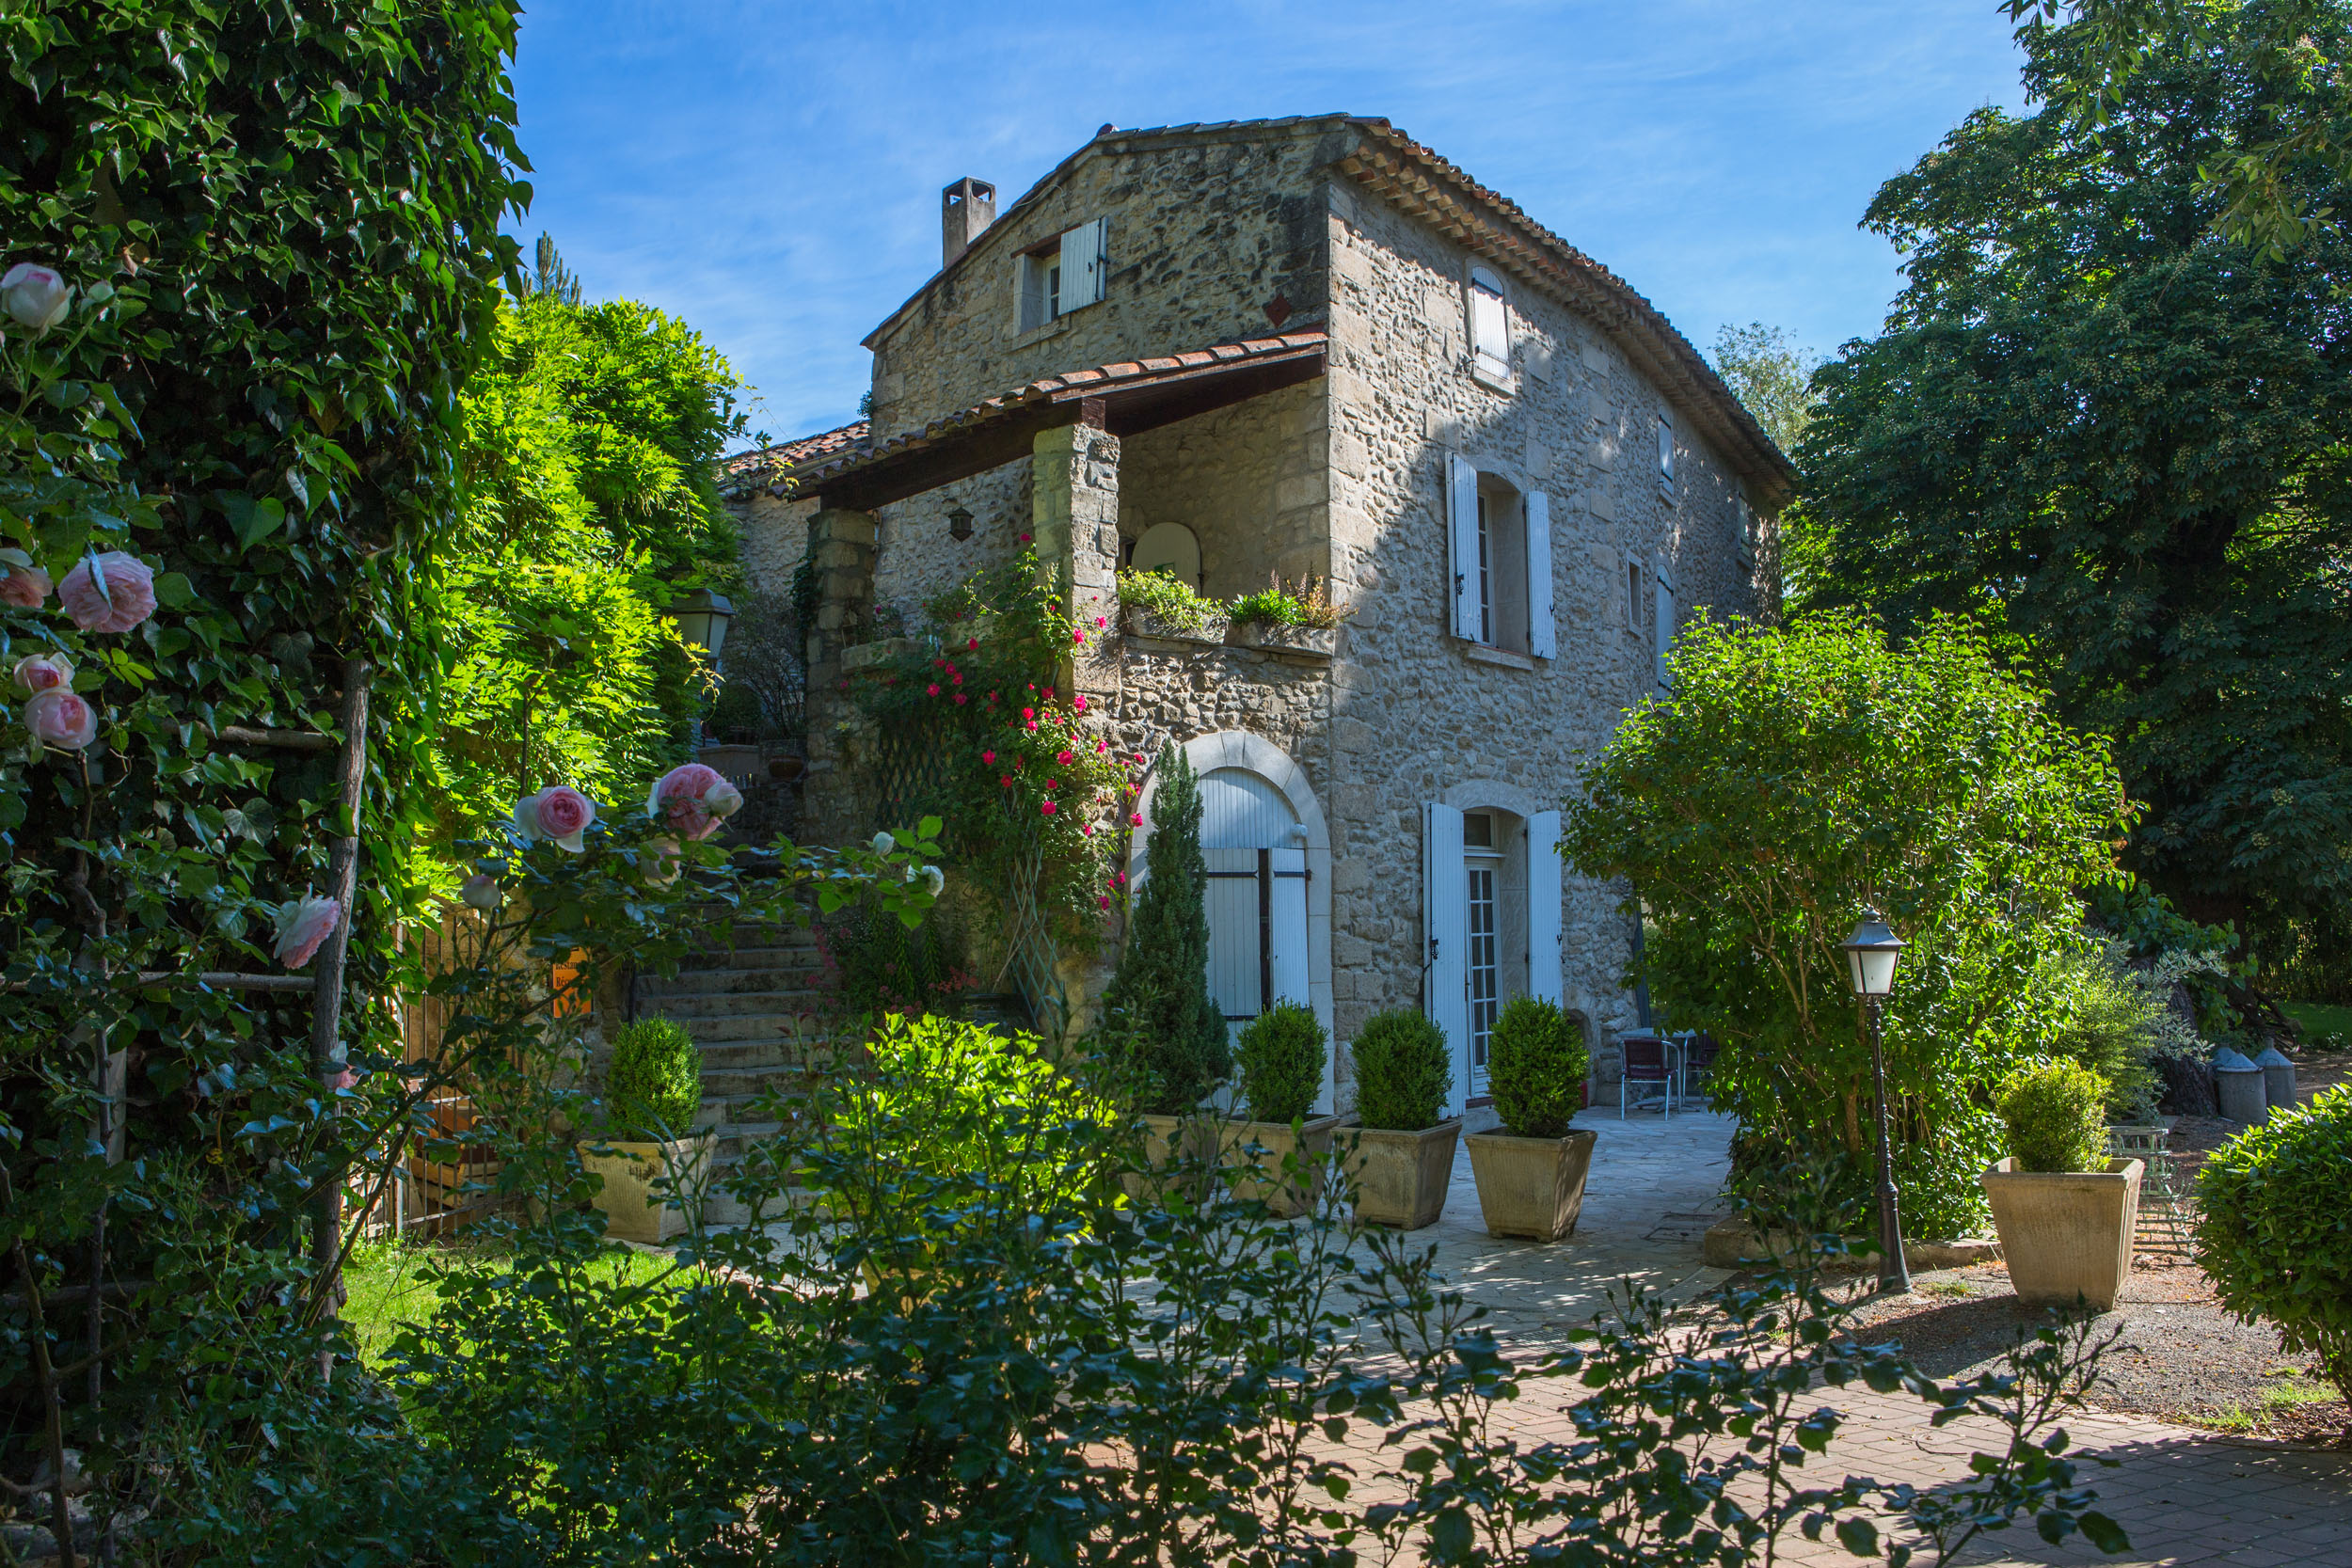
1462	549
1236	977
1665	617
1286	928
1490	325
1445	923
1542	640
1543	906
1082	251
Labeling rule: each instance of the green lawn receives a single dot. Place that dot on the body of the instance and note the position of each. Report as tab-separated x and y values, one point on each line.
2317	1019
392	1283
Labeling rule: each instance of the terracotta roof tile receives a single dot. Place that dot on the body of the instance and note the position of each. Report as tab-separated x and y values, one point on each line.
769	467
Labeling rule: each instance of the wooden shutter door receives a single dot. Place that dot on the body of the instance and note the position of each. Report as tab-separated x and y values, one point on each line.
1082	251
1285	898
1665	618
1445	923
1543	906
1542	637
1462	548
1237	966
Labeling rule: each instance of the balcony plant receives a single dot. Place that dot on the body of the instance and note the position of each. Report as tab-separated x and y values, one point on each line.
1402	1157
1276	1151
2065	1211
650	1153
1159	603
1299	616
1530	1172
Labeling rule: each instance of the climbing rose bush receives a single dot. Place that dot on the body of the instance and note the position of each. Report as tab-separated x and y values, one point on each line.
559	812
35	296
24	587
693	798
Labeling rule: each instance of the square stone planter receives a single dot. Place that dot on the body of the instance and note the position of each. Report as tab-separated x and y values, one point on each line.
1139	622
1260	1175
1401	1178
2066	1234
633	1211
1531	1187
1170	1143
1273	637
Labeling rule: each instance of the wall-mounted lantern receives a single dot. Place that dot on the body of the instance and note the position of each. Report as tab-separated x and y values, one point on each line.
959	523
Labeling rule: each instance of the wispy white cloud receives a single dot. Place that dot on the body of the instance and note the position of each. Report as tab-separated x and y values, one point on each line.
771	173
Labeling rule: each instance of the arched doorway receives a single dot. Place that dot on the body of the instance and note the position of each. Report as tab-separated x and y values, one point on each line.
1492	915
1268	852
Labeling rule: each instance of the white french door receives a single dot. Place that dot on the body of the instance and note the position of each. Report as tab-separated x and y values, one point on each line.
1485	967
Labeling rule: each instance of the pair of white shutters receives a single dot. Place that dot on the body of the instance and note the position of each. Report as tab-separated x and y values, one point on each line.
1445	925
1467	616
1257	907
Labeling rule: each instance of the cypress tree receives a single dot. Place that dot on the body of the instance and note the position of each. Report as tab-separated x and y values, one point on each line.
1177	1029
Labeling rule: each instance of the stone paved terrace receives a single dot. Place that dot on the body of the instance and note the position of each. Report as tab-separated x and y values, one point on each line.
2183	1496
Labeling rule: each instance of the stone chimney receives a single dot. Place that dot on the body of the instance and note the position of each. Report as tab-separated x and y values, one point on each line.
965	208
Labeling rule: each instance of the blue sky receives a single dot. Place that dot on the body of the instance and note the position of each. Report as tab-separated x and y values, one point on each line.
771	173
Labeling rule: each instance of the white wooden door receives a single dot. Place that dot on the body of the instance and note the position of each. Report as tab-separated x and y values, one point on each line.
1237	960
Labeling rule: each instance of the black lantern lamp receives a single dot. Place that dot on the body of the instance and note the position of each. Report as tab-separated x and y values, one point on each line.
959	523
1870	955
702	619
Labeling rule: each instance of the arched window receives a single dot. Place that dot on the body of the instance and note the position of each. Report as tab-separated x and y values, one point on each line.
1170	548
1490	325
1256	850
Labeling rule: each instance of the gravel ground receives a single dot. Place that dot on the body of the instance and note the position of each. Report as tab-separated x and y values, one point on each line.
2180	1356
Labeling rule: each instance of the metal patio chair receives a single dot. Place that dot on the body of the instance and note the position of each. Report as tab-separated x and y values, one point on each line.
1646	1069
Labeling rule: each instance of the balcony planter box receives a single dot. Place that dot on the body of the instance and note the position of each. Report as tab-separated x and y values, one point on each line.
1139	622
633	1211
1401	1178
1531	1187
1313	1141
2066	1233
1275	637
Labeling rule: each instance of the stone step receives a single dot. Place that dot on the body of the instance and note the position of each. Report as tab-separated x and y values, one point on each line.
710	982
751	936
727	1028
695	1006
741	1080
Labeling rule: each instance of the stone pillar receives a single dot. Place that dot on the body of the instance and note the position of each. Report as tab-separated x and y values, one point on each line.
841	549
1074	515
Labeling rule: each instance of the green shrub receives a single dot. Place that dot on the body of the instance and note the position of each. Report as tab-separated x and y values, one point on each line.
1269	607
655	1083
1535	1068
2056	1116
1402	1071
1282	1056
1304	603
1169	599
2094	1009
2276	1237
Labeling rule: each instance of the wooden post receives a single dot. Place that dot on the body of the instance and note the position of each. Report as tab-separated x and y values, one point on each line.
342	871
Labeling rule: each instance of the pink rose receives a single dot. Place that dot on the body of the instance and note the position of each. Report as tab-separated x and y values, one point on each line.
559	812
692	798
24	587
58	717
302	924
1078	703
481	892
124	597
343	1080
35	295
39	672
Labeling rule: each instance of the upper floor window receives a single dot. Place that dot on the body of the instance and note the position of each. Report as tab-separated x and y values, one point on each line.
1490	325
1499	551
1063	274
1665	453
1633	597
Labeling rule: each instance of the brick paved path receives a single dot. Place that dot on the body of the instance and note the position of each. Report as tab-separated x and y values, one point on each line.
2184	1497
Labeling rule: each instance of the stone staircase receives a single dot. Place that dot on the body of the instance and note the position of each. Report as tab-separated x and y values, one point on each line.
750	1002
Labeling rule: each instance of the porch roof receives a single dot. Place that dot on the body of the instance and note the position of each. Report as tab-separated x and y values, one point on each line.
1125	399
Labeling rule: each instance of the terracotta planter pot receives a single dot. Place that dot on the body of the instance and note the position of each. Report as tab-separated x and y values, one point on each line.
1401	1178
2066	1234
1264	1178
1531	1187
633	1211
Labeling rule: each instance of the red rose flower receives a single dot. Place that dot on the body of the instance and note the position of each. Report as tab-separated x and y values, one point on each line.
1047	808
987	758
932	691
1062	758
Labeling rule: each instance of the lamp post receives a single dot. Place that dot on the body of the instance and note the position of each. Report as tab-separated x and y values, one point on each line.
1870	955
702	620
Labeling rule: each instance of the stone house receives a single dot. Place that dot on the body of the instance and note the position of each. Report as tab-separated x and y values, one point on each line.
1307	347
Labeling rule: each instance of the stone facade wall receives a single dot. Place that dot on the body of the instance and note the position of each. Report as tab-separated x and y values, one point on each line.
1204	232
1417	712
1250	481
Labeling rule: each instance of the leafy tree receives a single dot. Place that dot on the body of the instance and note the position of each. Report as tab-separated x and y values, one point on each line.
591	432
1788	780
2109	433
2302	98
1771	375
1163	980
